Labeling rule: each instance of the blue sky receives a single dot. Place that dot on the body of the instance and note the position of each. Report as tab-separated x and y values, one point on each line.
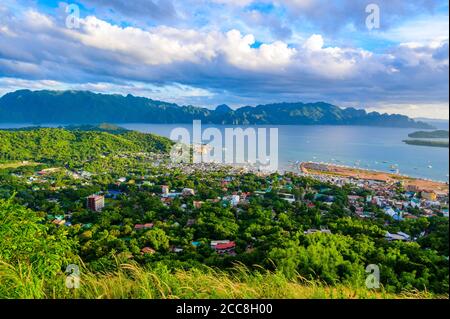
238	52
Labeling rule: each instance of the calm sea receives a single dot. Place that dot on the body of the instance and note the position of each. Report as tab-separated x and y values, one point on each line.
366	147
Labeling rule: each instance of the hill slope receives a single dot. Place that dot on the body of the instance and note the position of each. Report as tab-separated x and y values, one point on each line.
57	145
26	106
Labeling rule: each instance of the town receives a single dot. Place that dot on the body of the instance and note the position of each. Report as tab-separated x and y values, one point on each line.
136	206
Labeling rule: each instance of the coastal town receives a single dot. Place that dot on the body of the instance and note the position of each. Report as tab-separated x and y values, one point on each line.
392	197
121	200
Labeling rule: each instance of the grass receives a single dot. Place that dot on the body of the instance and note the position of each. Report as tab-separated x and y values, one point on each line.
17	164
134	282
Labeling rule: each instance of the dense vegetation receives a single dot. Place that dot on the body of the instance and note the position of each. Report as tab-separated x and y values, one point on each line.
429	134
274	257
25	106
62	146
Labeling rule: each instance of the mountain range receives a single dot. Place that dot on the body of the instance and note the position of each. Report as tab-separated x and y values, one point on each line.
84	107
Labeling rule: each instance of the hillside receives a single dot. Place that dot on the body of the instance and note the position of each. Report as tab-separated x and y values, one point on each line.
32	263
26	106
58	145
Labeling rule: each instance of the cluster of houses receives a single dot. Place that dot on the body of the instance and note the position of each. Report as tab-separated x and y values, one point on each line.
427	202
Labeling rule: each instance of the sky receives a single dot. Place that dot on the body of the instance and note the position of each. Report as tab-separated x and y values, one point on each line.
235	52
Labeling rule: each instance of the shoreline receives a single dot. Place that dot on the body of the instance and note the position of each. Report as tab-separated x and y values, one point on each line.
315	168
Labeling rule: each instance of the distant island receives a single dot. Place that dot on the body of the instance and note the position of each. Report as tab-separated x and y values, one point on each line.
430	134
84	107
427	143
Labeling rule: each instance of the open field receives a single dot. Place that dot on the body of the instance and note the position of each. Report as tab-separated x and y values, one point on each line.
17	164
357	173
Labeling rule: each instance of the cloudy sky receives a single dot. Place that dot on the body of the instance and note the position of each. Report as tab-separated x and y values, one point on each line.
238	52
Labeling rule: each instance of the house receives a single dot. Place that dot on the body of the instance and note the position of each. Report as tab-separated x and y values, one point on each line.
176	249
415	203
235	200
353	199
290	198
429	195
165	189
313	231
412	188
430	204
399	236
197	204
147	250
143	226
224	247
389	211
59	222
188	192
95	203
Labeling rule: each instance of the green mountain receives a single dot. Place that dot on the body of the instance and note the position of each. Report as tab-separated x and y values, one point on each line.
58	145
26	106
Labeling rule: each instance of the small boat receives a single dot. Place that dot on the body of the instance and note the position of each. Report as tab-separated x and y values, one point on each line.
429	166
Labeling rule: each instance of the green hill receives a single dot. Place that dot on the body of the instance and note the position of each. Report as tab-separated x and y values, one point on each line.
58	145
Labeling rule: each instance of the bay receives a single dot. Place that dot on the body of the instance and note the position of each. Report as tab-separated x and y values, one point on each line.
359	146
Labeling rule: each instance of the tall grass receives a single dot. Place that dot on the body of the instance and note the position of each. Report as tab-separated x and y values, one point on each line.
130	281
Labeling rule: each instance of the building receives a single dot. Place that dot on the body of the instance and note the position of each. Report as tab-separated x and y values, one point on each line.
143	226
95	203
147	251
399	236
313	231
197	204
188	192
235	200
165	190
412	188
429	195
290	198
224	247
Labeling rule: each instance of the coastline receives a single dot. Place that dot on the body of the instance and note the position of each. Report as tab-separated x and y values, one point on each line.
421	184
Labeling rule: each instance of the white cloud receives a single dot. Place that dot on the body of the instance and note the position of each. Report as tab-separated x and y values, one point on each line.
194	63
422	30
175	92
314	43
239	52
237	3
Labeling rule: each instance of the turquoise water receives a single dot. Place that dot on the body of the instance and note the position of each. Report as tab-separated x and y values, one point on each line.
360	146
